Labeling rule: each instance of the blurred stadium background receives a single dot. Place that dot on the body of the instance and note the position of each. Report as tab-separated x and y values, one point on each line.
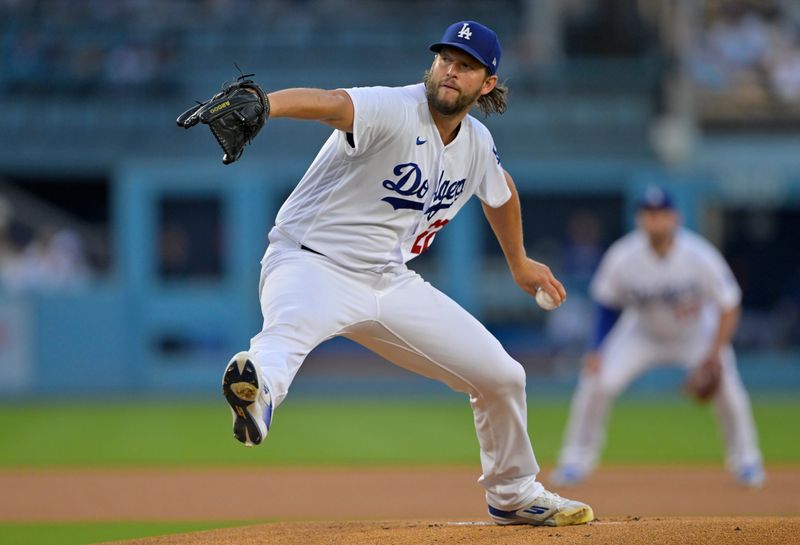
129	255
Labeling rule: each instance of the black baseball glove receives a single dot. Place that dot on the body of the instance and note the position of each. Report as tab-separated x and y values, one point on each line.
234	115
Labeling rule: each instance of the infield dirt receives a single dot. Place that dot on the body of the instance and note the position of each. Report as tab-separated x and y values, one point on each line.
440	506
614	531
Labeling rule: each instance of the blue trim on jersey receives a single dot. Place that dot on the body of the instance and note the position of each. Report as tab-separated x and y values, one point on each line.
605	319
398	203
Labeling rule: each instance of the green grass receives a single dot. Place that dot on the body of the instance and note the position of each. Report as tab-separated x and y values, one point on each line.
84	533
348	432
334	432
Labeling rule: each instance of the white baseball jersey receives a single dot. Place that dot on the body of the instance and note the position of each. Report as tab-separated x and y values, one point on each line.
376	198
673	296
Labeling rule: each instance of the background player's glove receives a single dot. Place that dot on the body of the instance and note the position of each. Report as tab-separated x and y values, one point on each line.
703	382
234	115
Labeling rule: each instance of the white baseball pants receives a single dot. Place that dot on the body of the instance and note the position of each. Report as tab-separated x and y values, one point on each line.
306	299
628	352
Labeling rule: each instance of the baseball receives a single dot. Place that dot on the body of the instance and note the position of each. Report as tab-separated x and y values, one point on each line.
544	300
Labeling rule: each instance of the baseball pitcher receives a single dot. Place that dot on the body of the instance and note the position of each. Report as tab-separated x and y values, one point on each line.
398	166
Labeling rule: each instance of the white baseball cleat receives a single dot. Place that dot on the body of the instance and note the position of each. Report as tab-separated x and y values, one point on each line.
547	509
568	475
247	394
751	476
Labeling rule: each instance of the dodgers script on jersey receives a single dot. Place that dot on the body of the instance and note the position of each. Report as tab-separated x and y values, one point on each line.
676	295
376	198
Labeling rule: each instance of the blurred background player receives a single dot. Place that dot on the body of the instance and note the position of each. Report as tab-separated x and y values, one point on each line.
664	296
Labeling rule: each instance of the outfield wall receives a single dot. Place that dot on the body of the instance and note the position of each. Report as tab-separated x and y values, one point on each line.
138	330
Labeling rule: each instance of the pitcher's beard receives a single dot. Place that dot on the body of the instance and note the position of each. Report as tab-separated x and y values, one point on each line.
461	104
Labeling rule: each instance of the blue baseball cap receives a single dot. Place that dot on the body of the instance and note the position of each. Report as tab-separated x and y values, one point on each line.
479	41
656	198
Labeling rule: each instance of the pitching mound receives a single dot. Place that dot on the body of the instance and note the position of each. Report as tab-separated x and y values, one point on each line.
631	531
647	505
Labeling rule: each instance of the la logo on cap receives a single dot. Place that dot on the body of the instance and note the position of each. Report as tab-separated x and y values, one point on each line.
473	38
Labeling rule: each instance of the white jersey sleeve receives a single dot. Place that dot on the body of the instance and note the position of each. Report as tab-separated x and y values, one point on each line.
718	279
374	124
607	286
493	189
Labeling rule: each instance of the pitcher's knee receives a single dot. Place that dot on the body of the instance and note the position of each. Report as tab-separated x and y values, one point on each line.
508	378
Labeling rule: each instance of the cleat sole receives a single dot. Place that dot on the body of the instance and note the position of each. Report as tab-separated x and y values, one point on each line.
240	388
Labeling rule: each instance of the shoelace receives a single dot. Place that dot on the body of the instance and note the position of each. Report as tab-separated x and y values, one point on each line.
242	75
552	496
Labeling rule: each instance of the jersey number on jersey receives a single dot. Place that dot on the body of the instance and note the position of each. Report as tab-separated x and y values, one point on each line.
425	238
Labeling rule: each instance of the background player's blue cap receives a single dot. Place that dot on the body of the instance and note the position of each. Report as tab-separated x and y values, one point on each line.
656	198
479	41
